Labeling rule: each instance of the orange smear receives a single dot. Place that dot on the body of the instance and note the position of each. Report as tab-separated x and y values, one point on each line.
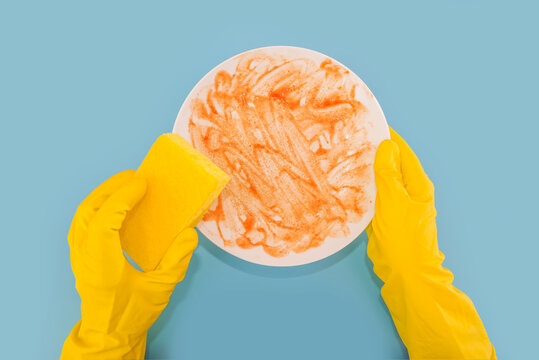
290	134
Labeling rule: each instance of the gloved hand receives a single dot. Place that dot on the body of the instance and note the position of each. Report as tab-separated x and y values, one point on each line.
434	319
118	302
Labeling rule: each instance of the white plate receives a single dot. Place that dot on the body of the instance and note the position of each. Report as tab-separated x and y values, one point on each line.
371	124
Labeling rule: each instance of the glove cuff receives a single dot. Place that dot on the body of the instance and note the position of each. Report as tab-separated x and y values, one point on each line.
89	344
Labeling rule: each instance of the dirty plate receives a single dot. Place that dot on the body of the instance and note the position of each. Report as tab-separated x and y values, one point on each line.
297	132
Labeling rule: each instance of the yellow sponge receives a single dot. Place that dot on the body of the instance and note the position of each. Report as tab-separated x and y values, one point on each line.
182	184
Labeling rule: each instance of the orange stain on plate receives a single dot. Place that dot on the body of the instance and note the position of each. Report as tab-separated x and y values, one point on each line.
290	133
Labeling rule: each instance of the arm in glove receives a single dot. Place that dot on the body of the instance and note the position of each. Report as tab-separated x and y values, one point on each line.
118	302
434	319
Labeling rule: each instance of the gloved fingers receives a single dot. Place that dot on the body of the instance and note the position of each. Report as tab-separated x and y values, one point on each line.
373	246
416	181
372	249
387	173
173	266
89	206
369	230
103	240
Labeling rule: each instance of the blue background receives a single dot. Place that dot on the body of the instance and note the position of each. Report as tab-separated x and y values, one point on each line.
86	88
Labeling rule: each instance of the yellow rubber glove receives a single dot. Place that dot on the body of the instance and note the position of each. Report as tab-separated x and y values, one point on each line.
434	319
118	302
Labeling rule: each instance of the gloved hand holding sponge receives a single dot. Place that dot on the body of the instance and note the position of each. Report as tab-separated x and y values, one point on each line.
149	213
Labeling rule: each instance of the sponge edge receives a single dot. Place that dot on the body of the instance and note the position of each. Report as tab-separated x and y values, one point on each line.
181	186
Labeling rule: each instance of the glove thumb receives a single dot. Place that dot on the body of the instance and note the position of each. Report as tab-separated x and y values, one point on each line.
416	181
387	172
